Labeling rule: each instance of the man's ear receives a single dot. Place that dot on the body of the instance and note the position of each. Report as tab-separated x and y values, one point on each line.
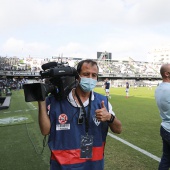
166	74
77	76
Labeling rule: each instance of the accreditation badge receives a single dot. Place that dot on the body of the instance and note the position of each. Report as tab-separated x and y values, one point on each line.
86	147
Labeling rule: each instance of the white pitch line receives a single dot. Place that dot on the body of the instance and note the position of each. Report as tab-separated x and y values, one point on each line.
32	105
135	147
18	111
27	110
7	112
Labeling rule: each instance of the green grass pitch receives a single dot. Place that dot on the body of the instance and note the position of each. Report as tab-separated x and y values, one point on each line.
21	143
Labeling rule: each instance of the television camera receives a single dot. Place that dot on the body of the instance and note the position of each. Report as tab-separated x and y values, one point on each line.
59	78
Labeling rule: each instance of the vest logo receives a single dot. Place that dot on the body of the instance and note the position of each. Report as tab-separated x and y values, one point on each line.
48	107
96	121
62	118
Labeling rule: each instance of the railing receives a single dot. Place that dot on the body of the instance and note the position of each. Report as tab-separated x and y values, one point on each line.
19	73
109	75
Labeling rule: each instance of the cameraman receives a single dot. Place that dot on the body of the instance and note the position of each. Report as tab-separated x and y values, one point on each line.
78	126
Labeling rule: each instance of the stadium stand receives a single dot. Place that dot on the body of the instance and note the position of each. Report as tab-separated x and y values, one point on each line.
30	66
14	71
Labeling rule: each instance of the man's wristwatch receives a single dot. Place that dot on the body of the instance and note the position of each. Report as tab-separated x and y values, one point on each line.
111	119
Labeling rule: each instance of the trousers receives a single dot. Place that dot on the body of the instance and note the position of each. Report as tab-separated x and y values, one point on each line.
165	160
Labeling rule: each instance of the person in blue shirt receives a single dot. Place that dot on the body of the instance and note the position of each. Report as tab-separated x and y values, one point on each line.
127	90
77	125
162	96
107	87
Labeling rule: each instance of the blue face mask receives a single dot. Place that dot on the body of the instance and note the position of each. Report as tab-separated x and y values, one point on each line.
87	84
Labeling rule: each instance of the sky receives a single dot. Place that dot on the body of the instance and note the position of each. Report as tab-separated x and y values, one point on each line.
81	28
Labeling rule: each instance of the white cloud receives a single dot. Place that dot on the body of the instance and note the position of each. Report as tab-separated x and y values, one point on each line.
81	28
75	50
21	12
15	47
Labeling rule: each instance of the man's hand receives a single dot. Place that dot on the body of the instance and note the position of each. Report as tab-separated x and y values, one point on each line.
102	114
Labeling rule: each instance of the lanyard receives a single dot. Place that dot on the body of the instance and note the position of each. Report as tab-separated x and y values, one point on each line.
87	115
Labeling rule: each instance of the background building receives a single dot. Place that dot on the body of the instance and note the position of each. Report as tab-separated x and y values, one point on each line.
104	55
160	54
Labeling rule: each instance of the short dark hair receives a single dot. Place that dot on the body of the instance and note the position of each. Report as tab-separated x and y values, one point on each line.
92	62
164	68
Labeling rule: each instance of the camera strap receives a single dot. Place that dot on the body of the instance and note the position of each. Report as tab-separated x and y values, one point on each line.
87	115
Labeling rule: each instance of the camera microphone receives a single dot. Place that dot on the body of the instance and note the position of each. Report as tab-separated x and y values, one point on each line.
49	65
